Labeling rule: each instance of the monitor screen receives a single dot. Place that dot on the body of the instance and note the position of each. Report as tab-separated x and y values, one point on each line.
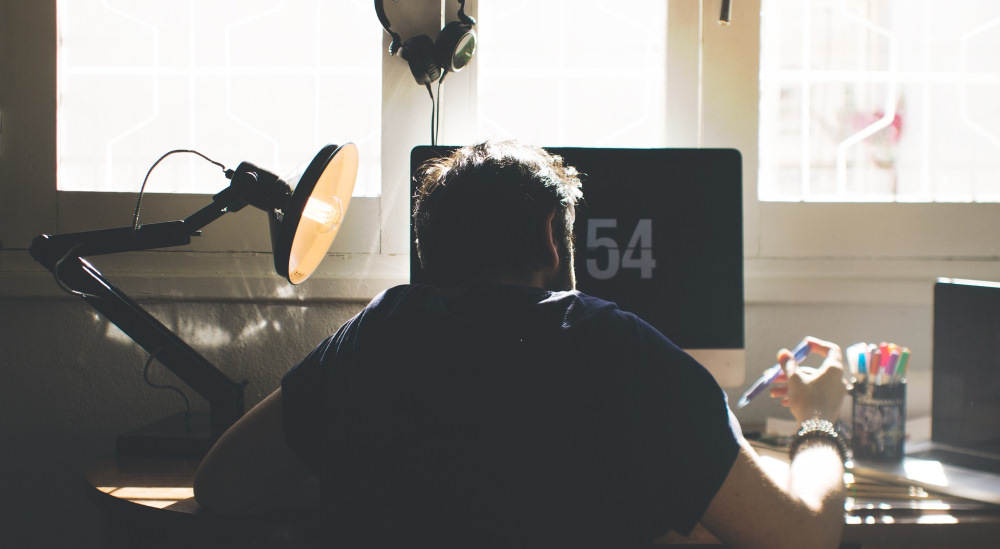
966	369
660	233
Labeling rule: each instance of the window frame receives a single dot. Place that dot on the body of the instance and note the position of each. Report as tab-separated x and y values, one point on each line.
808	252
794	252
369	254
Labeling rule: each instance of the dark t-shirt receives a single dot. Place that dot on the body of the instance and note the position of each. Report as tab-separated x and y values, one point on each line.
506	416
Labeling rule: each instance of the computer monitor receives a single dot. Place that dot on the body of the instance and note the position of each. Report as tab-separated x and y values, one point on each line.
965	405
660	233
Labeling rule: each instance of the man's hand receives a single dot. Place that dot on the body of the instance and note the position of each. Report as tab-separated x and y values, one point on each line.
812	392
804	505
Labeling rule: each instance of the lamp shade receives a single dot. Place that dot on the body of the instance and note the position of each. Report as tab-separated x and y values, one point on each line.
302	231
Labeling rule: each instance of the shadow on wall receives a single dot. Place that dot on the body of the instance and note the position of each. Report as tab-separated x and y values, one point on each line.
73	381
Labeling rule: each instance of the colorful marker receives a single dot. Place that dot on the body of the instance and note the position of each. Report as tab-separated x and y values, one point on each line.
904	359
771	374
890	368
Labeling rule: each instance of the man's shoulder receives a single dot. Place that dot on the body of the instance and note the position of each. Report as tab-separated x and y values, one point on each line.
393	297
583	307
572	307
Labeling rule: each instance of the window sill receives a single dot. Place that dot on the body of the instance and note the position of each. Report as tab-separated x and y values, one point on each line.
240	276
877	280
250	276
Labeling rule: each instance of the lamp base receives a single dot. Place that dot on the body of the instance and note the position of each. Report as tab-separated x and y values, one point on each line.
171	436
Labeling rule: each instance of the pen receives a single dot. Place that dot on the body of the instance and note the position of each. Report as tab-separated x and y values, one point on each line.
770	374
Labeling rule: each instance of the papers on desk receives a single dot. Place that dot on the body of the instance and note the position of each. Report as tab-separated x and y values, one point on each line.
867	497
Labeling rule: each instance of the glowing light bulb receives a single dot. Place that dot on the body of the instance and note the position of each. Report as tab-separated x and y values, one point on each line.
328	214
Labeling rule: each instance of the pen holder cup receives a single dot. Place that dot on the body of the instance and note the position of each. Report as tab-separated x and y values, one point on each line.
879	426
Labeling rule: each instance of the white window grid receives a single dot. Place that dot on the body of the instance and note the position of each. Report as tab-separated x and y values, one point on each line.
573	73
880	101
265	81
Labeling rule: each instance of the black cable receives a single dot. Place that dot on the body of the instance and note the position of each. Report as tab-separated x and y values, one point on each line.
135	222
62	285
187	403
138	203
430	92
437	109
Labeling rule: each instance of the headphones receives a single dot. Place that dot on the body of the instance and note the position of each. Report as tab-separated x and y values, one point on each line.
430	61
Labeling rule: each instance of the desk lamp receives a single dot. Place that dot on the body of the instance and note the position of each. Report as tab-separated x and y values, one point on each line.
304	214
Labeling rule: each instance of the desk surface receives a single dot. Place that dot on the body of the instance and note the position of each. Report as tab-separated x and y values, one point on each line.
140	498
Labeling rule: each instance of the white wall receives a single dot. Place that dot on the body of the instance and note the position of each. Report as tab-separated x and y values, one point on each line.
71	384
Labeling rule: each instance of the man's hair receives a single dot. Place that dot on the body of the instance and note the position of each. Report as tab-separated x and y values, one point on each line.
480	210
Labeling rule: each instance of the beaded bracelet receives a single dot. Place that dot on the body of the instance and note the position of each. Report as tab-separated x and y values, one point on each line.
813	429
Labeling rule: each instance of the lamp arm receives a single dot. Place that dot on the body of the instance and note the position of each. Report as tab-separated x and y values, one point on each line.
49	249
62	255
224	396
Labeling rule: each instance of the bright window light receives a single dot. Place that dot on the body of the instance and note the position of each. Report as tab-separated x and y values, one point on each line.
269	82
587	73
880	101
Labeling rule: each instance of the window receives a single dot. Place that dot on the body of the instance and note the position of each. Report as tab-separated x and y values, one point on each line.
573	73
879	101
267	82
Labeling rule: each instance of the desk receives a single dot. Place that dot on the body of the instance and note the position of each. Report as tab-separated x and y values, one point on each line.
150	503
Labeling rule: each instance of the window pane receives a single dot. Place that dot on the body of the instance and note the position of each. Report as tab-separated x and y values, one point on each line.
264	81
573	73
880	100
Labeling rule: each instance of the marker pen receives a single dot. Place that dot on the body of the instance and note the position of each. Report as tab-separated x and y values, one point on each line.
904	359
889	372
770	374
876	362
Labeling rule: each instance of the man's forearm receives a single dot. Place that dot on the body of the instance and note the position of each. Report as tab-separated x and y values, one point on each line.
816	478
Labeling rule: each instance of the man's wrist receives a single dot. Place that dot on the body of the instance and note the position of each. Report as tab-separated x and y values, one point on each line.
819	432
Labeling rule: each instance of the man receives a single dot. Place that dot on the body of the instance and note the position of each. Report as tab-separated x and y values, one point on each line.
499	407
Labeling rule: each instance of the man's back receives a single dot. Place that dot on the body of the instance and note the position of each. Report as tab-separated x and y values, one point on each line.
506	415
513	416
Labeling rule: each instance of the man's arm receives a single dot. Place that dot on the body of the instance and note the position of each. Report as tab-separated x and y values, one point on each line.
804	508
753	509
252	470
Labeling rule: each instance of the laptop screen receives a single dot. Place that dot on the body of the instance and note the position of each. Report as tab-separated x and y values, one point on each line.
966	377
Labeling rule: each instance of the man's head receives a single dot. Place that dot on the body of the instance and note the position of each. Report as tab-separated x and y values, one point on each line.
496	209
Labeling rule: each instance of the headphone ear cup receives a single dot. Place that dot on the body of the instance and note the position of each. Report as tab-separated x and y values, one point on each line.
419	53
455	46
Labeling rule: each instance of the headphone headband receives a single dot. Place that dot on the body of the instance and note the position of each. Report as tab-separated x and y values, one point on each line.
461	14
396	39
